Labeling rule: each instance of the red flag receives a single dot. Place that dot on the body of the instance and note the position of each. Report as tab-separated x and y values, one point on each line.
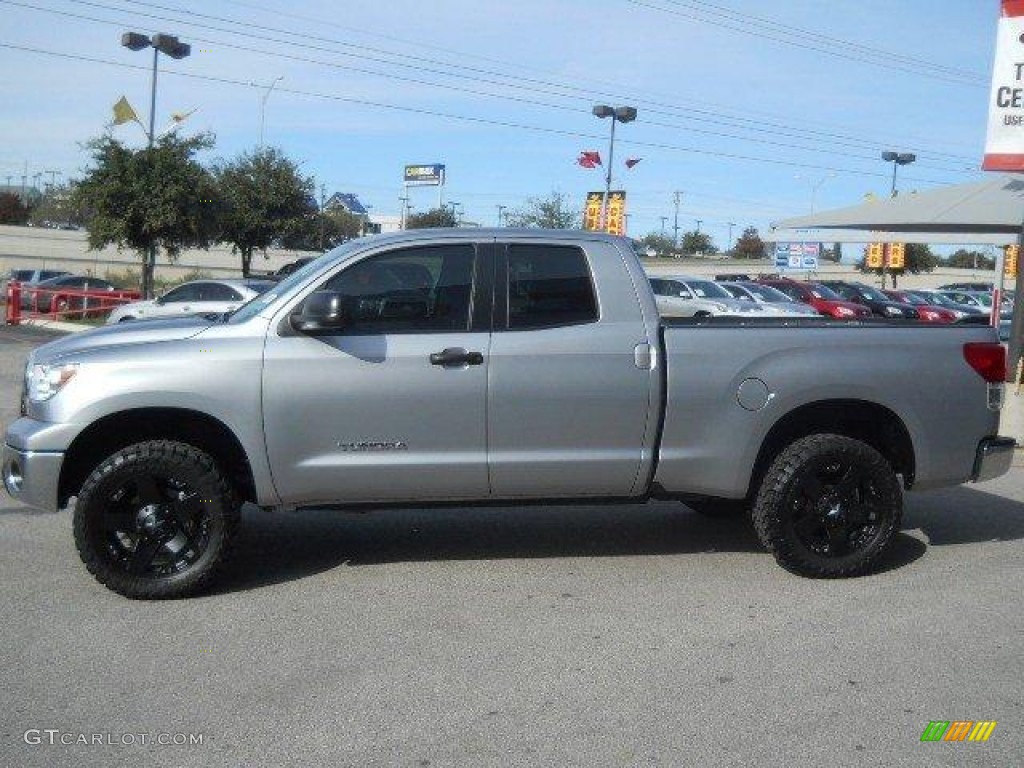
633	161
589	159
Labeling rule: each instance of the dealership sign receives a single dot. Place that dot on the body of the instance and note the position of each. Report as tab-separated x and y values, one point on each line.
424	175
791	256
1004	144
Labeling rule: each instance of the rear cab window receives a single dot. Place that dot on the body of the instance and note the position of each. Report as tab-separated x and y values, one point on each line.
548	286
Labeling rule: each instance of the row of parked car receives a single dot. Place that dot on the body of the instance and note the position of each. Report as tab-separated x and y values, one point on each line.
687	296
59	292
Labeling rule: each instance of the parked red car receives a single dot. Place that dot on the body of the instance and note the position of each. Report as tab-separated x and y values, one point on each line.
926	311
823	299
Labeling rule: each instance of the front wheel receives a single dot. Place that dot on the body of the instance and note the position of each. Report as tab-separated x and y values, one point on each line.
155	520
828	507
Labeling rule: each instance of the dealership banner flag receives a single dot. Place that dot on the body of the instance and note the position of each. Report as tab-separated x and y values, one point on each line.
123	112
1004	144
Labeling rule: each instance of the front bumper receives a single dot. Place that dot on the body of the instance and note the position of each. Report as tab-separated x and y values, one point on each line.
32	477
993	458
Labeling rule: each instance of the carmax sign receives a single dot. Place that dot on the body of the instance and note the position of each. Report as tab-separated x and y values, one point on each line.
431	175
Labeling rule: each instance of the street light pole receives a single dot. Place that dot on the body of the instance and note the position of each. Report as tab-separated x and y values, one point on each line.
501	212
263	105
897	159
618	115
171	46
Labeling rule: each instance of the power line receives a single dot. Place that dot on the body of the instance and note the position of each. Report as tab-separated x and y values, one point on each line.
804	39
469	118
562	91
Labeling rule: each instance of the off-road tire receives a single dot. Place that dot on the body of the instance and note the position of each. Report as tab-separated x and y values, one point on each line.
137	507
828	507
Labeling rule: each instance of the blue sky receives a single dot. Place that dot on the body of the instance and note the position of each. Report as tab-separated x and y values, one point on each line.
751	109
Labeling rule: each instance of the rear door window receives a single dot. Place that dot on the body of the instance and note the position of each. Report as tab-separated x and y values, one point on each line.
549	286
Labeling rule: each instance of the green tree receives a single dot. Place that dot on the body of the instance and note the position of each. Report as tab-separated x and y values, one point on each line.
262	197
321	231
697	242
58	206
749	245
551	212
435	217
149	199
837	252
965	259
662	246
12	210
918	258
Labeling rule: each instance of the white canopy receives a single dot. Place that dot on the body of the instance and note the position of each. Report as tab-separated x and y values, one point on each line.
989	211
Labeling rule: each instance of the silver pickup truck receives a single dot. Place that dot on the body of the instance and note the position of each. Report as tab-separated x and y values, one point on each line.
444	366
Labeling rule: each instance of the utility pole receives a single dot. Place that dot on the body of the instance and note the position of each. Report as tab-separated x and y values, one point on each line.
323	215
663	220
501	213
731	225
699	222
675	228
53	177
404	200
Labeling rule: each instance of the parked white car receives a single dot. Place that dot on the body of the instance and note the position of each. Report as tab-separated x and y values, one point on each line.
199	297
684	296
769	299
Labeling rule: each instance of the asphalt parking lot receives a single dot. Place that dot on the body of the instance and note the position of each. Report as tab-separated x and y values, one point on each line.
629	635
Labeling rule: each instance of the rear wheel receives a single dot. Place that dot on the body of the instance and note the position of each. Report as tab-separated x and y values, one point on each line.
828	507
155	520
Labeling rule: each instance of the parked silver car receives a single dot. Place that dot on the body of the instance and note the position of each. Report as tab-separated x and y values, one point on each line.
198	297
686	296
768	298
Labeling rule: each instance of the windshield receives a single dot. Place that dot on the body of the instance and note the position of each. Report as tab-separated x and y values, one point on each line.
705	289
257	304
821	292
768	294
871	294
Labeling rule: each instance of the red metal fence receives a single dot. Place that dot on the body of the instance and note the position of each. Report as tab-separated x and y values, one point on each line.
26	302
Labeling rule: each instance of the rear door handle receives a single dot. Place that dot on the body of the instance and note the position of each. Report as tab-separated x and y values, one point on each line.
454	356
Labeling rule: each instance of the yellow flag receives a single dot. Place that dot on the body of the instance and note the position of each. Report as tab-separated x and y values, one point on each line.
123	112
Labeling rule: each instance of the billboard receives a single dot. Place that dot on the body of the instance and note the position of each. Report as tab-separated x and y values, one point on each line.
797	256
1003	142
431	175
616	212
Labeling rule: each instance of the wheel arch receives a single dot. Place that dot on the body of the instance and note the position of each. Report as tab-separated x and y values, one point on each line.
869	422
119	430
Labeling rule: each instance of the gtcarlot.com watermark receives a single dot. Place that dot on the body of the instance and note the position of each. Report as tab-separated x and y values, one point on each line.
54	736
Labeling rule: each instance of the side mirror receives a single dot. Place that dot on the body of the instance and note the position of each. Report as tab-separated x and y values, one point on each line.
322	312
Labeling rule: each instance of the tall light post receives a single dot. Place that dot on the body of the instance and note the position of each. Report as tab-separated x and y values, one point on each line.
170	46
501	213
897	159
618	115
263	104
815	186
731	225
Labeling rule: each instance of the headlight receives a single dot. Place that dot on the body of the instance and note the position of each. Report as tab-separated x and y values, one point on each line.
893	311
44	381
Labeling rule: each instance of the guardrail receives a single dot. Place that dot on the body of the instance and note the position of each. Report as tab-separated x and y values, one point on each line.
60	303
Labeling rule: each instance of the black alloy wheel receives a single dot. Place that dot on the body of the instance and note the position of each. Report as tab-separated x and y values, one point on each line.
828	507
155	520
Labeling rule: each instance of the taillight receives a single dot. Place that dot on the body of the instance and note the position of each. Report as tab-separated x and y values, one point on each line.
988	358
